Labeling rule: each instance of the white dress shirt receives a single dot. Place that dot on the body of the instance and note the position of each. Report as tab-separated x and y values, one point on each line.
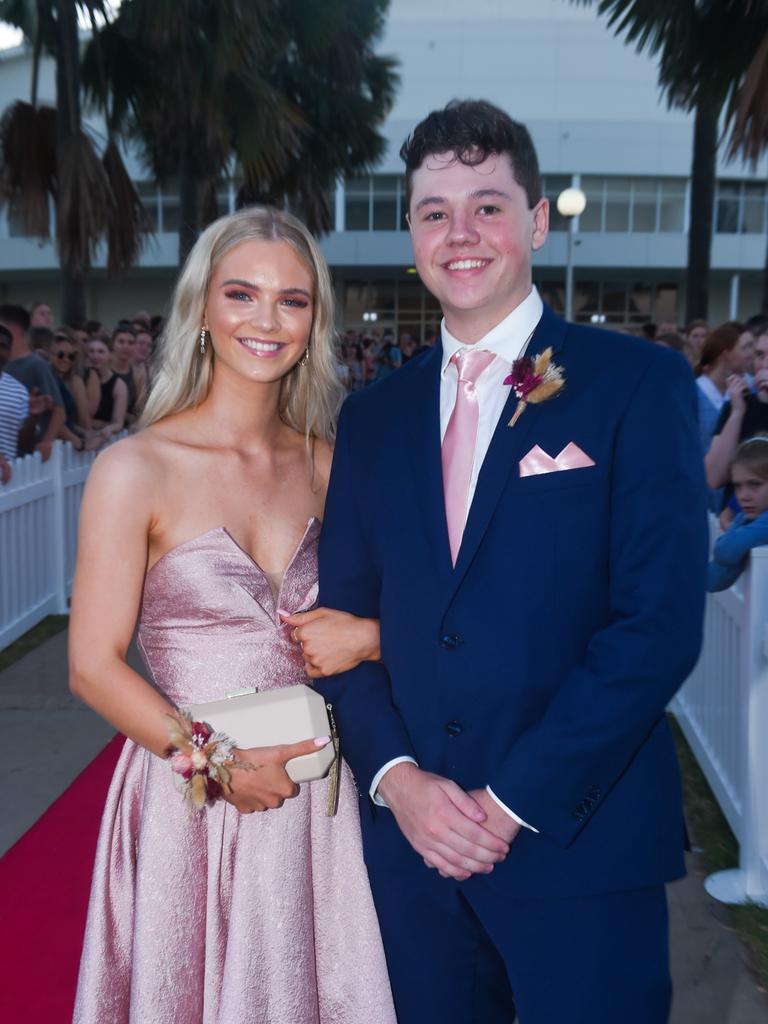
507	340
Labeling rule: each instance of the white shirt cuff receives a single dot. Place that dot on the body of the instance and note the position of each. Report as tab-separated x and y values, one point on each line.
512	814
379	800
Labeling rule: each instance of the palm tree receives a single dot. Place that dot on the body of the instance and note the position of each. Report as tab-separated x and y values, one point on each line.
704	47
287	94
747	113
46	153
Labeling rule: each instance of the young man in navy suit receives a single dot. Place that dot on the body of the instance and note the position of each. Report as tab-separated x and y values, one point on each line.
540	582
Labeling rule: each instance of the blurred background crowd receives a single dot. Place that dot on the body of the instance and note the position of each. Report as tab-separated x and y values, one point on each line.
82	385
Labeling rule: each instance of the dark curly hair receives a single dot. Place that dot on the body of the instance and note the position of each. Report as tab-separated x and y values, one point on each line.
473	130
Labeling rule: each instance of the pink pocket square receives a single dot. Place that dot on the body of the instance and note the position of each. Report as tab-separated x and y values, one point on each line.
537	461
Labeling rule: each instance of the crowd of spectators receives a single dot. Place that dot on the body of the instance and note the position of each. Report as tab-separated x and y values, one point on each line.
83	384
79	384
365	358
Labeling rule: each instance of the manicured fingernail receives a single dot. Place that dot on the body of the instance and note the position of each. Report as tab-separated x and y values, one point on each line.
282	611
320	741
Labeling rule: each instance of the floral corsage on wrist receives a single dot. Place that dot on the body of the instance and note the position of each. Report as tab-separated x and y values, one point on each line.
201	759
534	380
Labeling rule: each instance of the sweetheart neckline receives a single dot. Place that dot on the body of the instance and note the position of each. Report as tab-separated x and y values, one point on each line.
225	532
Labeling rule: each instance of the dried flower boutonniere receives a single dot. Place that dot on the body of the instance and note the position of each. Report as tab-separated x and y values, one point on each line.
534	381
202	759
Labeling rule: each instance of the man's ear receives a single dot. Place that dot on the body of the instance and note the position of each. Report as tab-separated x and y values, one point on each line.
540	223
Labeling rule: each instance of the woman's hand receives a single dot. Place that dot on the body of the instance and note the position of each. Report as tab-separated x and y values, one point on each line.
267	785
333	641
737	392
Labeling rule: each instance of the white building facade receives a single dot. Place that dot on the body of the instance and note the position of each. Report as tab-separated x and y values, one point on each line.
596	116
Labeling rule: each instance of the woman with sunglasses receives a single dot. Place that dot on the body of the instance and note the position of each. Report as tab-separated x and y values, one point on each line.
77	425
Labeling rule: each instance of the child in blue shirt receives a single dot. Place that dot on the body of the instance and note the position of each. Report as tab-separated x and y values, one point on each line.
749	475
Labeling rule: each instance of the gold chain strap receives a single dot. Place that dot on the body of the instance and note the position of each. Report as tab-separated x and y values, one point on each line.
334	775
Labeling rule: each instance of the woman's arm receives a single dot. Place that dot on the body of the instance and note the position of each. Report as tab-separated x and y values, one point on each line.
78	392
93	392
717	461
332	641
116	504
119	408
76	440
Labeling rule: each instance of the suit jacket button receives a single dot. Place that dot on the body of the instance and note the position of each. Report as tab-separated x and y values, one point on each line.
450	641
454	728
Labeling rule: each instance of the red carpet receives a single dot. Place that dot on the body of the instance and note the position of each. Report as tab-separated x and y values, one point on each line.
45	880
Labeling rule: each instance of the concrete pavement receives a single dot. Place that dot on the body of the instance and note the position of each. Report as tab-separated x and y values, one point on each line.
49	737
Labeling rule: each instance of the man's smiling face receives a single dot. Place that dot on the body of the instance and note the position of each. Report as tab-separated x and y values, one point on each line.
473	236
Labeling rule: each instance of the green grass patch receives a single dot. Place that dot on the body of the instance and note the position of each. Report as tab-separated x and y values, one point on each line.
711	833
43	631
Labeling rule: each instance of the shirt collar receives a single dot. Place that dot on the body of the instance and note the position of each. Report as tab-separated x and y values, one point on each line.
506	339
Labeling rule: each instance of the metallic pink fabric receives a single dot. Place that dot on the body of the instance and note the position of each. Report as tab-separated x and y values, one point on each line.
458	453
537	461
217	917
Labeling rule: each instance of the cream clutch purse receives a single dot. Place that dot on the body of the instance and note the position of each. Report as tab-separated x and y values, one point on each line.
269	717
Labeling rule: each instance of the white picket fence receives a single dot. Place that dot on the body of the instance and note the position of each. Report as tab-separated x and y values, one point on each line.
38	537
723	711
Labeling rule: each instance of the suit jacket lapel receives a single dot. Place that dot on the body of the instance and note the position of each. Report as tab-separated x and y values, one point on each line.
507	447
424	447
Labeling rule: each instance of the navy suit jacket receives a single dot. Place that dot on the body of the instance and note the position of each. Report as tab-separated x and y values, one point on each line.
542	663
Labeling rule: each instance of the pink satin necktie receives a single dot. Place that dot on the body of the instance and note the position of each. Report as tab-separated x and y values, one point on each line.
458	454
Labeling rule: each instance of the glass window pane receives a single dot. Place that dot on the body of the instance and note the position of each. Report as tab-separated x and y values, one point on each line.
409	296
553	293
672	205
357	205
592	217
586	299
644	204
381	299
385	202
665	303
355	301
614	302
639	303
753	220
617	204
727	211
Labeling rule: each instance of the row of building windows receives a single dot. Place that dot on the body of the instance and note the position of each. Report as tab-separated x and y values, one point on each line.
614	204
408	306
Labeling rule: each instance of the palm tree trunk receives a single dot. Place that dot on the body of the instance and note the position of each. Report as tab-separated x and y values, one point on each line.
189	200
73	309
702	208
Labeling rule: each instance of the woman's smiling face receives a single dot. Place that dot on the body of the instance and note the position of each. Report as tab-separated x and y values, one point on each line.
259	309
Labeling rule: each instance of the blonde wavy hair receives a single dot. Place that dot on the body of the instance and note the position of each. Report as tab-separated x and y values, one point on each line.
310	395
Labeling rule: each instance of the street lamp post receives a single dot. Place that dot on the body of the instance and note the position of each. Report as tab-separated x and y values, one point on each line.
570	204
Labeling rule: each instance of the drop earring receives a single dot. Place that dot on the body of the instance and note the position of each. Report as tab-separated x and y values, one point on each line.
202	341
305	358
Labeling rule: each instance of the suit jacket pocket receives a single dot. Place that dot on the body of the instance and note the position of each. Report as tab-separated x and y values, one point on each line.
559	480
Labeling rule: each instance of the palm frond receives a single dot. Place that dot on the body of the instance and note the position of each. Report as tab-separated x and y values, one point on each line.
85	203
28	149
747	111
129	223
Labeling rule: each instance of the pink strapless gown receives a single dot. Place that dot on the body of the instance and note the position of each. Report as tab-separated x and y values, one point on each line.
222	918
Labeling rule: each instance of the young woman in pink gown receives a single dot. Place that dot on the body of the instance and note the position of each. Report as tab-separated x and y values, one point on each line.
201	527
